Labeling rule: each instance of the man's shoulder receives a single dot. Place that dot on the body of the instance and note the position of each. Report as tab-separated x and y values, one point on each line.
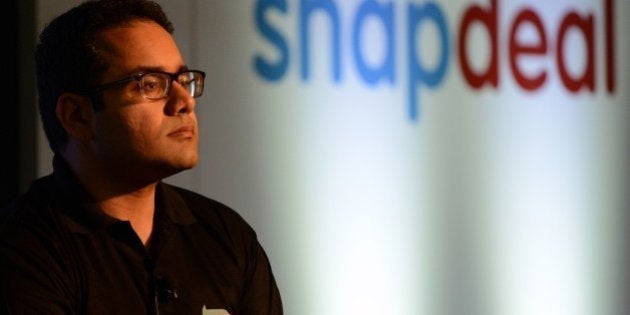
28	222
28	206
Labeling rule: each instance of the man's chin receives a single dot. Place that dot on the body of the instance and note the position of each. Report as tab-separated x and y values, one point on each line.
186	164
169	168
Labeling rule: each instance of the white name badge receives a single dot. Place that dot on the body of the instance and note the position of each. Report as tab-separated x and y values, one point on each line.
205	311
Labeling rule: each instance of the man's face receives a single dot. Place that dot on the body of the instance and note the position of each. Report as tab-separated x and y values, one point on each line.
144	139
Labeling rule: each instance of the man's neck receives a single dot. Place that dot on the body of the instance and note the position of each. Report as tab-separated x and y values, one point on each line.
133	202
137	207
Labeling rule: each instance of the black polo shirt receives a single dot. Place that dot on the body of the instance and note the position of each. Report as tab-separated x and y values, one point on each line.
60	254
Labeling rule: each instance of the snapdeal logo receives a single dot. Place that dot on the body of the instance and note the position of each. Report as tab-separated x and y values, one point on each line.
548	43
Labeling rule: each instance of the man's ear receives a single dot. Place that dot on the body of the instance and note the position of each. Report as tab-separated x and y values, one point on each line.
75	113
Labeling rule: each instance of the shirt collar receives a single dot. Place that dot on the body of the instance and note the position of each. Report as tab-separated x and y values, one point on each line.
83	215
173	205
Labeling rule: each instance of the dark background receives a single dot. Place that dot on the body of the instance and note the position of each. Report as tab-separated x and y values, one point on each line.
19	119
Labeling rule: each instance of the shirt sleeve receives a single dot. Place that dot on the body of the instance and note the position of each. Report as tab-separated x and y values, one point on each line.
261	295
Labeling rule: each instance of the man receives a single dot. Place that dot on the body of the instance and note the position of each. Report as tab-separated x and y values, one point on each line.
103	234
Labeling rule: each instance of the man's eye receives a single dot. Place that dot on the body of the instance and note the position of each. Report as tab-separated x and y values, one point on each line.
151	85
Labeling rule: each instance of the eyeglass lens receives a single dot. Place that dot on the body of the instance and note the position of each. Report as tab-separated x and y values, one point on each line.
157	85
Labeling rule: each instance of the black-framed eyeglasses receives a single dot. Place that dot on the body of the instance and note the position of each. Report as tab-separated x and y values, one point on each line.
155	85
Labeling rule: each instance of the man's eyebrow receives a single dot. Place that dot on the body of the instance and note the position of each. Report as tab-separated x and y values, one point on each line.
156	68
